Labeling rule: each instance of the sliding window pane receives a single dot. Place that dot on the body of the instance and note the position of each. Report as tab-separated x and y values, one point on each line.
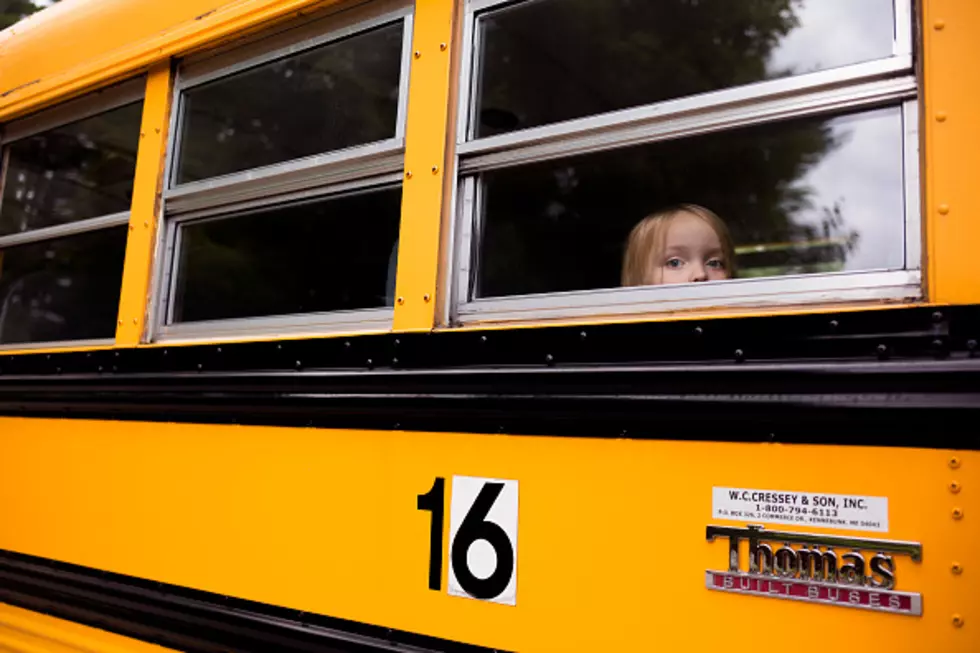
335	254
545	61
804	196
338	95
80	170
62	289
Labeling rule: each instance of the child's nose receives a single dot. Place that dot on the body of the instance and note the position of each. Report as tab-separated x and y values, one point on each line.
698	272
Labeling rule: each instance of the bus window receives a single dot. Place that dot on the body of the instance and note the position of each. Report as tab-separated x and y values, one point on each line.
563	224
793	126
65	202
629	53
303	258
76	171
341	94
284	203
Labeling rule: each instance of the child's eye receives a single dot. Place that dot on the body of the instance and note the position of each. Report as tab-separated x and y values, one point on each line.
674	263
716	263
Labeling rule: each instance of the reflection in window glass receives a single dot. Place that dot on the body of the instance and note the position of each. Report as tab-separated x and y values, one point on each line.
544	61
338	95
80	170
63	289
331	255
804	196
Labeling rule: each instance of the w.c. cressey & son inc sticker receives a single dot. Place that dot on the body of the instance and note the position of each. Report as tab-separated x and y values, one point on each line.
839	511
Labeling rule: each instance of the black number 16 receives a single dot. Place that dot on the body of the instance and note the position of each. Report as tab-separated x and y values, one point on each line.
474	526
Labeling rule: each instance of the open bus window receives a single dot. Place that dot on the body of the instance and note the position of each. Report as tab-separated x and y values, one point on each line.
327	255
785	131
341	94
812	195
67	185
284	203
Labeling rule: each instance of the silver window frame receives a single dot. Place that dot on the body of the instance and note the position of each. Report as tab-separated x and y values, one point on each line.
87	106
359	167
889	81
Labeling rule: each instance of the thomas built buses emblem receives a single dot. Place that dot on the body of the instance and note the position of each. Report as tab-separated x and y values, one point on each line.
816	569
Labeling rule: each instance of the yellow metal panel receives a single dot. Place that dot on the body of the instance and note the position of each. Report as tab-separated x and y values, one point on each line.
30	632
611	549
951	62
145	210
77	45
425	162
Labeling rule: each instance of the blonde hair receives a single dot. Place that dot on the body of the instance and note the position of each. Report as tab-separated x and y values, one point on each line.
647	240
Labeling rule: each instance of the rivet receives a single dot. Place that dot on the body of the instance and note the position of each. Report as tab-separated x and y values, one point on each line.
443	46
426	297
954	487
957	513
135	321
739	355
698	331
956	568
394	361
954	462
882	351
435	169
549	359
937	317
939	25
299	364
146	224
943	209
582	335
417	54
957	621
120	322
408	174
131	227
401	300
142	134
940	116
483	338
834	324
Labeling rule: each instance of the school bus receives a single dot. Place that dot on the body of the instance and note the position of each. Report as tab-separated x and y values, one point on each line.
313	334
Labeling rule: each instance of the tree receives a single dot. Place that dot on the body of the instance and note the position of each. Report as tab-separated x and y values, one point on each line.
12	11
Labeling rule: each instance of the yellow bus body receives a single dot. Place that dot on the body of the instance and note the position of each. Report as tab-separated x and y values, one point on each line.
613	552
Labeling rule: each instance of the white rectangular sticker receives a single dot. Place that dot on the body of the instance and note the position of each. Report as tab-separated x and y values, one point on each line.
844	511
483	539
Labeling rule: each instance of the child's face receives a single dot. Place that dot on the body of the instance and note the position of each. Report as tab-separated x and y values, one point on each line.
692	252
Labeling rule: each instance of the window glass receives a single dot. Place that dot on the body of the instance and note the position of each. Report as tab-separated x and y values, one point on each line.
809	195
334	254
80	170
62	289
338	95
546	61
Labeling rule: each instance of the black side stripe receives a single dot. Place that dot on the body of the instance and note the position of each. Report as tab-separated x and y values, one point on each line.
191	620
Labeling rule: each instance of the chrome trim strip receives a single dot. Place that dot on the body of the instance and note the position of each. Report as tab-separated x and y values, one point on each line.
671	120
67	229
344	166
361	321
894	285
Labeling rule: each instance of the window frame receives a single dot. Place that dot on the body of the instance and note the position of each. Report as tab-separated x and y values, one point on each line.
892	81
376	164
86	106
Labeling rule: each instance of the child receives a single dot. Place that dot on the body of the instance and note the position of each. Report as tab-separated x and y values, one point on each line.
682	244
